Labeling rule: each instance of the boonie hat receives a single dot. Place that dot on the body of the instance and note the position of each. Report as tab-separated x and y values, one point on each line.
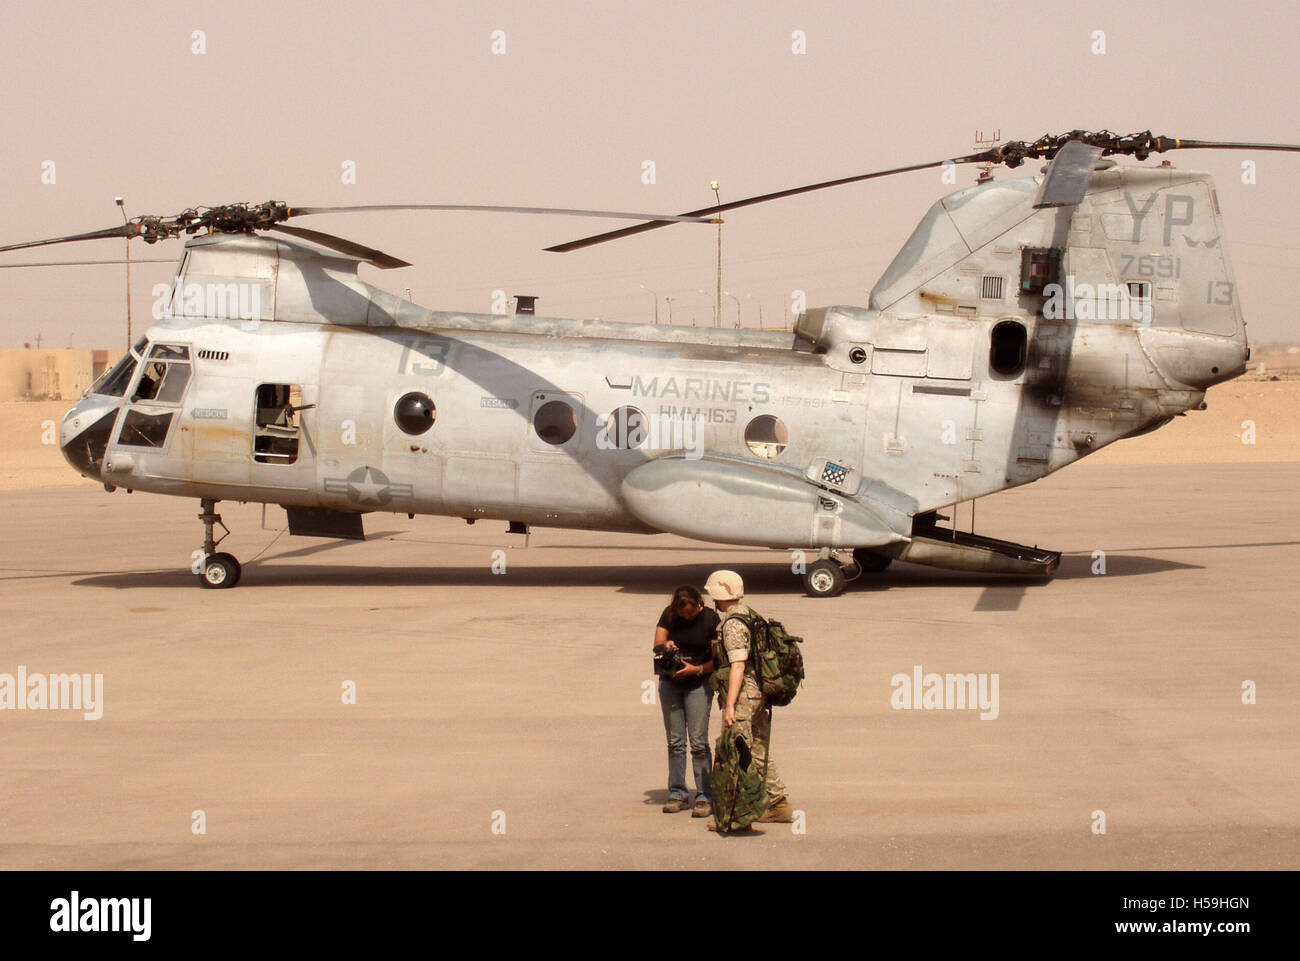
725	586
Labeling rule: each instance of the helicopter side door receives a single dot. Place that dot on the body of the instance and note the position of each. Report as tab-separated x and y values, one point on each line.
281	440
551	473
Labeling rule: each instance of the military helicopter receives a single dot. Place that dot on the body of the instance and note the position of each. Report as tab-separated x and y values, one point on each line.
1022	325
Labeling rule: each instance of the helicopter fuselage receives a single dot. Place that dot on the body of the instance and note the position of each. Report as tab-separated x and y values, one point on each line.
1003	344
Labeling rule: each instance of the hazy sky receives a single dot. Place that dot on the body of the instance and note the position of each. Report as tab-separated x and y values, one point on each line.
583	95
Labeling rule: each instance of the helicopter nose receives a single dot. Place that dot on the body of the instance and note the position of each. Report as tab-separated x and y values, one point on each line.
1196	361
85	433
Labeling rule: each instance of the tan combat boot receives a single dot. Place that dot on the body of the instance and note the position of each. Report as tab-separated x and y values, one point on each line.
780	811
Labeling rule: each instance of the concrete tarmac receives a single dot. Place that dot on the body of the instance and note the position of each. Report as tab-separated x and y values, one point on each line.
501	718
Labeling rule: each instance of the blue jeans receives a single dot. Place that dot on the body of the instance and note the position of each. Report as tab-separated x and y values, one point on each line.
686	712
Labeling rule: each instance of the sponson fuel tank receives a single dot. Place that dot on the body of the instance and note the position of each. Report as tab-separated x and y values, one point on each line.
734	502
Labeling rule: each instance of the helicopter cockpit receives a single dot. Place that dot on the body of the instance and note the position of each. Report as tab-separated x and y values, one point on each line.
163	373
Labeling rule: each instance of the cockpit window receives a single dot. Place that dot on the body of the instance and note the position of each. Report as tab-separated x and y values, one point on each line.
142	428
150	380
170	352
163	383
165	375
114	382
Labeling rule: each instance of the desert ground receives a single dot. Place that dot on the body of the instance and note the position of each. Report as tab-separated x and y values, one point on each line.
500	719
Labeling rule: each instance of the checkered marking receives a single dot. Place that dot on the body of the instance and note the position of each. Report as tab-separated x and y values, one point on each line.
834	474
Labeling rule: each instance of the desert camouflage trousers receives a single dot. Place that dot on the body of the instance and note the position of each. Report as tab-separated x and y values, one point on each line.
754	724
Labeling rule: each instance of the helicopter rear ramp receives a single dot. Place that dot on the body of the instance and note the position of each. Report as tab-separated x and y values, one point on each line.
960	551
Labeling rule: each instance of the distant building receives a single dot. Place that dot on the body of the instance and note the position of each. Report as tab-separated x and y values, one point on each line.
50	374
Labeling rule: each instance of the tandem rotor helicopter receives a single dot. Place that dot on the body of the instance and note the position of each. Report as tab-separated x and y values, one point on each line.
1022	325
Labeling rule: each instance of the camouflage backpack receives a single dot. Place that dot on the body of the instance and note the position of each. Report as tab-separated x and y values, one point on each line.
775	655
739	794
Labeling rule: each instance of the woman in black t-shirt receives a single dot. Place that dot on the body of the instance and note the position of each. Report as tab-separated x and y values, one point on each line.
687	627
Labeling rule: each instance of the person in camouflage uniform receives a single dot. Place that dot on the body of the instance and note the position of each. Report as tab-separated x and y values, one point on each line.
744	707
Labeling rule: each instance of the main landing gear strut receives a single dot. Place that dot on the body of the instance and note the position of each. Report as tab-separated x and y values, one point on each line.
217	570
827	576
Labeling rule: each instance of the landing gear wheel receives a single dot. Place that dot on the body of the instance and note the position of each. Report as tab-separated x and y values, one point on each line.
220	571
823	579
869	561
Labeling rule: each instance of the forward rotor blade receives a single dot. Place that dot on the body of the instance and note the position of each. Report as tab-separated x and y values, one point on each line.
93	263
371	256
121	230
485	208
1067	178
762	198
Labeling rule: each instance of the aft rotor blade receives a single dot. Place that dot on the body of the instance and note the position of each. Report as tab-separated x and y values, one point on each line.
369	254
121	230
1173	143
1067	178
749	201
485	208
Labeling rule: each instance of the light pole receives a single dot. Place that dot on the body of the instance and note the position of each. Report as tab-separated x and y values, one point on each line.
121	202
656	297
717	309
713	305
727	293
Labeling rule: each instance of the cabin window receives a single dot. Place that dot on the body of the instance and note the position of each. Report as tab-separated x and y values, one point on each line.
276	425
1008	347
624	429
766	436
555	422
415	413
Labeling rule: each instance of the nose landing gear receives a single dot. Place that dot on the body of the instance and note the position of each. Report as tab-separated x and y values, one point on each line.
216	570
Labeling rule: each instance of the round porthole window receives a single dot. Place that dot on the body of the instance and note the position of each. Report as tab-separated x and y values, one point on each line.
555	422
766	436
625	428
414	413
